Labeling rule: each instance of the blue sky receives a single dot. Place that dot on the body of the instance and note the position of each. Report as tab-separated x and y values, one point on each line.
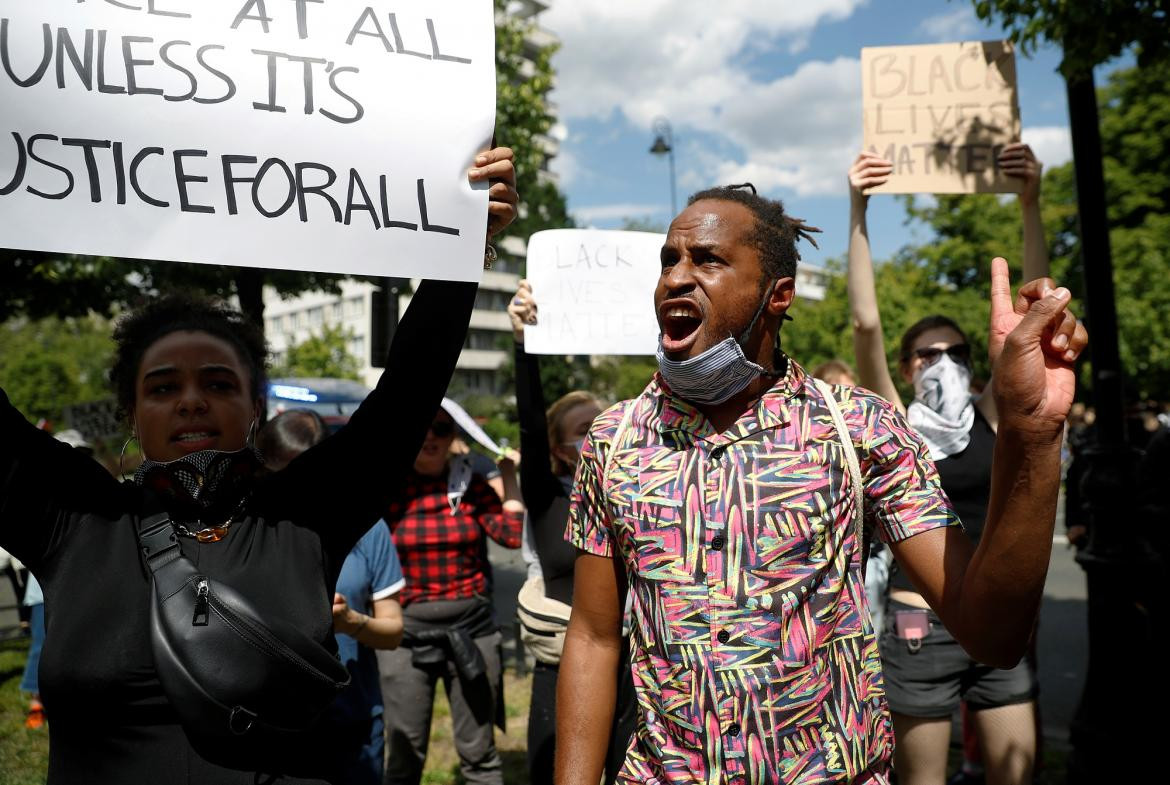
760	90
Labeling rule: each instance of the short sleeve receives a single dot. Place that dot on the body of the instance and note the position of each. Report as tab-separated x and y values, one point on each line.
903	492
385	570
589	527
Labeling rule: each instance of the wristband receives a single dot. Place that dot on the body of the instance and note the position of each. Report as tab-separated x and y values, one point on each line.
361	626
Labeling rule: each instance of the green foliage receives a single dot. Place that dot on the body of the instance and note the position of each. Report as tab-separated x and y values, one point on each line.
323	355
52	363
523	122
1089	32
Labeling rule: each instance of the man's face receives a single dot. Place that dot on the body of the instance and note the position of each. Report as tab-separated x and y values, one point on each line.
710	285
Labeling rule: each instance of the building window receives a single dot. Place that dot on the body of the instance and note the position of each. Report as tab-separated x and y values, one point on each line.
485	340
335	312
316	316
487	300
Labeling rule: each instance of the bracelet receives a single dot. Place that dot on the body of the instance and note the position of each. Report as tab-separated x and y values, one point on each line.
361	626
489	256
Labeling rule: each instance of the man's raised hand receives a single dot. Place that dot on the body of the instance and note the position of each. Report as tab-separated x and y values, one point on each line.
1033	343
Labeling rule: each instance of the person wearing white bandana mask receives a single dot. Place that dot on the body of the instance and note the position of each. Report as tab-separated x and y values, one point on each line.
726	498
927	675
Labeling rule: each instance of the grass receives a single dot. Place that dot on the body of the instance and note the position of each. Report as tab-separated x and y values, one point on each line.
24	753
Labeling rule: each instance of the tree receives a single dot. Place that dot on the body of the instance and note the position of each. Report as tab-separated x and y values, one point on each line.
48	364
1090	32
524	78
322	356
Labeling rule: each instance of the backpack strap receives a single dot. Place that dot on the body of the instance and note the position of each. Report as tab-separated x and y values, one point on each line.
852	464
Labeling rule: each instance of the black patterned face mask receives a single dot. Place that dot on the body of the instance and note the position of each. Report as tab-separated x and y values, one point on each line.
204	480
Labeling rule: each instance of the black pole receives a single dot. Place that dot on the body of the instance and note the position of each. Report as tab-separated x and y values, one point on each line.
1119	572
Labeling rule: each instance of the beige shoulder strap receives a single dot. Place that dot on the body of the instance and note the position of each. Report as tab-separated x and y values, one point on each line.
850	459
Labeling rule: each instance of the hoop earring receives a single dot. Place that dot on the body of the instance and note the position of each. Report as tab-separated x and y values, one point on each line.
250	440
122	455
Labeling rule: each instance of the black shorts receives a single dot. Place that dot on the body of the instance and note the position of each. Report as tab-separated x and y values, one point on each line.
931	681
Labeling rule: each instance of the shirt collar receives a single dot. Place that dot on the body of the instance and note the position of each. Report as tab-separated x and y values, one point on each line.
770	410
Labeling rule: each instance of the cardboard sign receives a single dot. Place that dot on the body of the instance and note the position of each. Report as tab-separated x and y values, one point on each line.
594	291
328	135
941	113
95	420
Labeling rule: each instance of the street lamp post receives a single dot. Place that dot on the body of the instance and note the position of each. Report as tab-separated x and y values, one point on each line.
664	145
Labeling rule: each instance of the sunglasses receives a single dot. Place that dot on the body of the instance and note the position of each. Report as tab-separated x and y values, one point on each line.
442	428
960	353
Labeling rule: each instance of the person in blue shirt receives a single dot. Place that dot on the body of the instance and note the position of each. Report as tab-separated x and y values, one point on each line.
366	616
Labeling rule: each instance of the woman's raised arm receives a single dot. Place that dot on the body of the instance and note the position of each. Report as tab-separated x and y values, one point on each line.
869	349
358	470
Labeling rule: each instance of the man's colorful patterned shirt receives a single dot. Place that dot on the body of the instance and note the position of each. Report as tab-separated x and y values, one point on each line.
753	656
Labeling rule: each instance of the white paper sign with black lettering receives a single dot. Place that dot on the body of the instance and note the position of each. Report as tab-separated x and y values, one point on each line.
594	291
327	135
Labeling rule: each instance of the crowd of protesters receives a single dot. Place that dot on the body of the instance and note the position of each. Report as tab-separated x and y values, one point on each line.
748	573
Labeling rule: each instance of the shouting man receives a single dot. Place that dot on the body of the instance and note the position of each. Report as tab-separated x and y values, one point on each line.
724	493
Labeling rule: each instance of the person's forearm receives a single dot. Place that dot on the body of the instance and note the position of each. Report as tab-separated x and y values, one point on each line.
859	279
377	633
869	350
1035	246
1004	582
511	489
586	696
539	484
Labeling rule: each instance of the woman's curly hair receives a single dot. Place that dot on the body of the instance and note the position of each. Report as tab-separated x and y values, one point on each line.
140	329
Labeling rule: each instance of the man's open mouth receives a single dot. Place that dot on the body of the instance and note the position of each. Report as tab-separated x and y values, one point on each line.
680	322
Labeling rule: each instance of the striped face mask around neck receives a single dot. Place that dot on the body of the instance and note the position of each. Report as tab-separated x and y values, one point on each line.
713	377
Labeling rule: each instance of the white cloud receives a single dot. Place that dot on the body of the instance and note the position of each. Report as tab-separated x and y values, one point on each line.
565	166
1052	144
613	212
680	59
958	25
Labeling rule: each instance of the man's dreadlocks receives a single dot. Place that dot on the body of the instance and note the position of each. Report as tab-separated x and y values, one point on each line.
775	233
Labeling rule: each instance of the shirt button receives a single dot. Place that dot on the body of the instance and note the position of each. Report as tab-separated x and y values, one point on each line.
717	544
723	637
733	729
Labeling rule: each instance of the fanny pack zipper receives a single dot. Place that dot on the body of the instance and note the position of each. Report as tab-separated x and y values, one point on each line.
264	640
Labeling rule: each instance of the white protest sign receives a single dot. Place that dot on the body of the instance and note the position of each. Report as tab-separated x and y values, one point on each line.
330	135
941	113
594	290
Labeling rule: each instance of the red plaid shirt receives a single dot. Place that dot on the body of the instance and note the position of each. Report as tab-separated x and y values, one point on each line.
444	554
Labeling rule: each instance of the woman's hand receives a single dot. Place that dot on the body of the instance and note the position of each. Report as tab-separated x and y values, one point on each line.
869	171
496	167
1018	160
508	461
522	310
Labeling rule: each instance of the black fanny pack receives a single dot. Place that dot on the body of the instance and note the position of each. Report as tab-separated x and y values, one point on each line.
224	670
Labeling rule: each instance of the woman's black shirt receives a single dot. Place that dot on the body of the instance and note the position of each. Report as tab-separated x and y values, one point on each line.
76	528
